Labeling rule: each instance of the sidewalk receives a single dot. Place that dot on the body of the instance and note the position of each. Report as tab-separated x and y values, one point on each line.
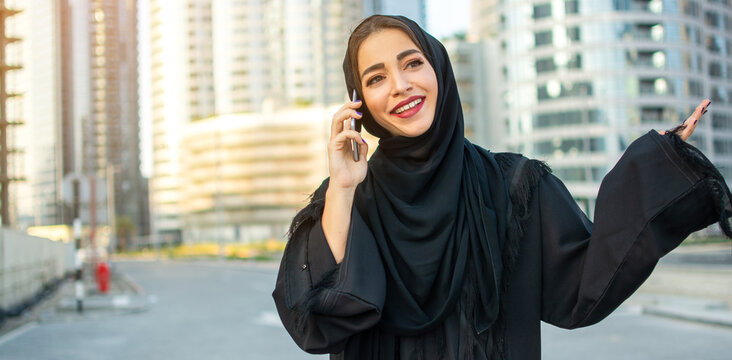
691	283
124	296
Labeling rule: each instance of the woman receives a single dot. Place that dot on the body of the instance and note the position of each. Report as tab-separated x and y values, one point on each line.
439	249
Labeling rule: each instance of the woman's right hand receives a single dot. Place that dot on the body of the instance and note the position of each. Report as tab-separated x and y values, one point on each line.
345	173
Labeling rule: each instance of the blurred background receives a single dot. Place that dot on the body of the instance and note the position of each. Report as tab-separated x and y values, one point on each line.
195	129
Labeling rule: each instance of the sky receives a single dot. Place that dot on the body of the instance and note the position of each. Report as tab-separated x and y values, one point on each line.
444	18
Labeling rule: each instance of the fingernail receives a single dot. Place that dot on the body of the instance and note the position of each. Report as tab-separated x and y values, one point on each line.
359	113
363	141
695	121
704	112
358	101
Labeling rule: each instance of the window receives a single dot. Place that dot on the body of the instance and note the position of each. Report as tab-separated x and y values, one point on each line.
580	173
695	88
542	10
711	18
651	114
715	69
542	38
654	86
571	7
721	121
718	95
722	146
564	118
691	8
545	65
712	45
555	90
573	33
571	146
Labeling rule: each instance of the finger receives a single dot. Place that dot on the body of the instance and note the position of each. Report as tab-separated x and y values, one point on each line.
343	140
345	113
693	120
363	149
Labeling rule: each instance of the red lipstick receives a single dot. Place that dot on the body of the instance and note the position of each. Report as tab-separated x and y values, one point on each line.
409	112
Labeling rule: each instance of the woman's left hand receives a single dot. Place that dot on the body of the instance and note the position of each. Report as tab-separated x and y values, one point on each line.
685	130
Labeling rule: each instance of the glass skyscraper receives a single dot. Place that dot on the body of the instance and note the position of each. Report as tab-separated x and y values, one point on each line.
581	79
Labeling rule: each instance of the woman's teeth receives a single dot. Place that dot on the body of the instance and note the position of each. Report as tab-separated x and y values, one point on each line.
408	106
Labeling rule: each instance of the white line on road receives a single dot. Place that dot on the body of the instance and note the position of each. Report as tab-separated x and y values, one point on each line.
17	332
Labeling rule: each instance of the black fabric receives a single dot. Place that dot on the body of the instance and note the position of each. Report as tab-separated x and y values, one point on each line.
442	262
566	270
430	201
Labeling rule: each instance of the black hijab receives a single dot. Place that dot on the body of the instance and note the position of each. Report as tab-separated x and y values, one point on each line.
436	207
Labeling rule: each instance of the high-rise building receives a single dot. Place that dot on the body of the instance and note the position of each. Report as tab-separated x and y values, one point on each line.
468	59
218	57
182	88
105	110
41	108
582	79
214	57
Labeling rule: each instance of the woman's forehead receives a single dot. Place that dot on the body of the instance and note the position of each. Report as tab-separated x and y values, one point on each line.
383	46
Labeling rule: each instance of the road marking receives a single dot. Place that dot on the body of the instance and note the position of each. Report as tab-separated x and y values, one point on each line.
17	332
120	301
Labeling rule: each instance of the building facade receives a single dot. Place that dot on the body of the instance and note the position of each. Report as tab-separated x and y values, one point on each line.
105	112
580	80
41	108
244	176
211	58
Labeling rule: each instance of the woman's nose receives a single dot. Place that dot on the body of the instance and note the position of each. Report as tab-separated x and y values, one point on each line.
401	83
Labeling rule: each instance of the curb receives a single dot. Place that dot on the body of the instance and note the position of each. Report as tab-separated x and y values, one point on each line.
718	317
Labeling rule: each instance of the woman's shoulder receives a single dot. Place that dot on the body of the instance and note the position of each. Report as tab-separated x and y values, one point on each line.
516	167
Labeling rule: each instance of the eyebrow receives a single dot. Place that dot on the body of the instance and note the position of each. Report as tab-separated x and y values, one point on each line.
399	57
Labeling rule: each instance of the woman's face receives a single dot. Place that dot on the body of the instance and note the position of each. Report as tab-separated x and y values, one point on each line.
398	83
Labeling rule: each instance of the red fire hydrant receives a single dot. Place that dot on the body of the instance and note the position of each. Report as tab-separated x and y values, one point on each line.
102	277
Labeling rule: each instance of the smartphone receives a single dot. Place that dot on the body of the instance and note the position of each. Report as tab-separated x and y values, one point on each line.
354	143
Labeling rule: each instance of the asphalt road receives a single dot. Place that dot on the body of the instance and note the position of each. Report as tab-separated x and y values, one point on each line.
211	310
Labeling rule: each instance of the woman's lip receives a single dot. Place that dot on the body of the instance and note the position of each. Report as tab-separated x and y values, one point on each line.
409	113
405	102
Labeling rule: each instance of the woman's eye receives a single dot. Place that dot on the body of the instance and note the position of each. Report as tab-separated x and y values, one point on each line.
374	80
415	63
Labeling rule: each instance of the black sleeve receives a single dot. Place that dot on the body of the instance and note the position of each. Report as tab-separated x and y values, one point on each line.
658	193
321	303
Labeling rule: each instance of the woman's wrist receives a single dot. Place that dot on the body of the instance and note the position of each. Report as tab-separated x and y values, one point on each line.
336	220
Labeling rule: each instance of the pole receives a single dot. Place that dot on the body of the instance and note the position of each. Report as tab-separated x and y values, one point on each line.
111	214
4	178
218	194
93	220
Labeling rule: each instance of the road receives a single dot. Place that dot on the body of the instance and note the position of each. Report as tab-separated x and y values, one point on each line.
212	310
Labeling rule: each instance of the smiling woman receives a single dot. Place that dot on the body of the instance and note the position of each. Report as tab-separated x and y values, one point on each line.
438	249
398	85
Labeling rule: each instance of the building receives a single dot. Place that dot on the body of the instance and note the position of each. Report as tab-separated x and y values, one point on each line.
580	79
468	59
105	119
217	57
42	109
244	176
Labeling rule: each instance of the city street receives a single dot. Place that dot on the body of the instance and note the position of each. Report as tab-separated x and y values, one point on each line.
224	310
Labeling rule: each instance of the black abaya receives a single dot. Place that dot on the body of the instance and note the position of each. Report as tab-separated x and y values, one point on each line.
568	271
457	253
